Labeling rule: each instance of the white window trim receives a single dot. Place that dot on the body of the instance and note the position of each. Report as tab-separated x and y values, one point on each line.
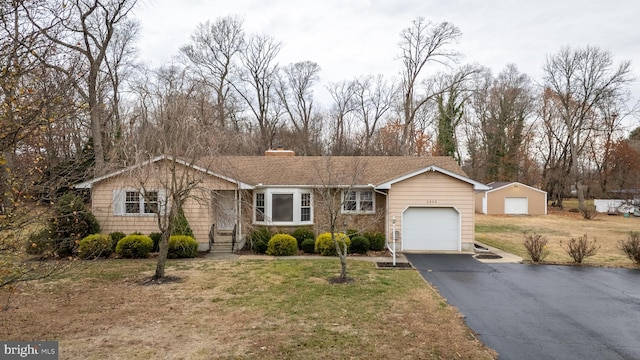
358	202
119	203
297	206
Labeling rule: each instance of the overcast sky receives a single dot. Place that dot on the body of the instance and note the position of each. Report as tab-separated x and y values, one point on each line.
349	38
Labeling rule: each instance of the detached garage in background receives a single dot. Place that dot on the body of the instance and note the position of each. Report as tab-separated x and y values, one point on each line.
511	198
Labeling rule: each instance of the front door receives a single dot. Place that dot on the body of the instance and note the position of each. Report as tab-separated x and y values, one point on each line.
224	207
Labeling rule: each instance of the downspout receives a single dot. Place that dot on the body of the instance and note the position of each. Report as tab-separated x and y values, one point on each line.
239	216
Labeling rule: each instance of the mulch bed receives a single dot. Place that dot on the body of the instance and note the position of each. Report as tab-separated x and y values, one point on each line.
389	265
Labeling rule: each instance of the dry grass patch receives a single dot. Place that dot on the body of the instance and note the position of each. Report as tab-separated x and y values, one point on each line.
239	309
506	232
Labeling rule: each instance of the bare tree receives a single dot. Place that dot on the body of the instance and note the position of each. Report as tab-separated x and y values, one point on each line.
84	29
213	50
171	131
295	92
421	44
343	94
119	65
330	199
373	98
583	81
503	106
260	77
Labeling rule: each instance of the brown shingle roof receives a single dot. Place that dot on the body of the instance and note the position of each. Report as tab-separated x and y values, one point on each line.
312	170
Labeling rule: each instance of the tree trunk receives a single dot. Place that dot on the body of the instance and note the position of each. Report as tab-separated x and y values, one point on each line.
343	267
342	254
162	255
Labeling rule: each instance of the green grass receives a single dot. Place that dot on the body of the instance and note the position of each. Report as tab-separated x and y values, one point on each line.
492	228
505	245
514	229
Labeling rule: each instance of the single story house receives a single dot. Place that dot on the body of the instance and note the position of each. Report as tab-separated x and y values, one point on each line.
511	198
428	201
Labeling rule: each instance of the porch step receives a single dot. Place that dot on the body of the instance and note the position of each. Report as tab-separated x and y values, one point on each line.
222	244
221	248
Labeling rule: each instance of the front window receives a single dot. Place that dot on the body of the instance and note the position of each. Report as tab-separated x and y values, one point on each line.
151	202
283	206
305	207
132	202
138	202
260	207
358	201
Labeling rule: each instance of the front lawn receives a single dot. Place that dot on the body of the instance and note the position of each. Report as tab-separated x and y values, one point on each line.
238	309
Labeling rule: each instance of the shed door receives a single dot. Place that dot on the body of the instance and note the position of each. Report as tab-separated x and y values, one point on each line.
516	205
430	229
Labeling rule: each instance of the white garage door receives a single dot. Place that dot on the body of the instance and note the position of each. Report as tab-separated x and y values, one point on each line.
516	205
430	229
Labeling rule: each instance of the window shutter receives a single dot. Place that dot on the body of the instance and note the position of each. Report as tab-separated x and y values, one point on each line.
162	202
118	202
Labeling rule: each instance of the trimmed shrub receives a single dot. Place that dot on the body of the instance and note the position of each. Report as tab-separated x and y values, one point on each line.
359	244
301	234
115	237
324	244
352	232
181	225
258	239
71	223
39	242
155	237
581	248
631	246
134	246
376	241
536	246
182	246
95	246
259	246
282	245
308	246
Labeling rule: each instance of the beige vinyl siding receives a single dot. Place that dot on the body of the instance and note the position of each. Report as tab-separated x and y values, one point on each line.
537	204
198	209
433	189
479	196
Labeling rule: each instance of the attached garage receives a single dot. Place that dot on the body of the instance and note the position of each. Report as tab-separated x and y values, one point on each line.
511	198
431	229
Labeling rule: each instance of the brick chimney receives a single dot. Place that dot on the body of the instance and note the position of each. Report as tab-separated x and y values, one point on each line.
279	151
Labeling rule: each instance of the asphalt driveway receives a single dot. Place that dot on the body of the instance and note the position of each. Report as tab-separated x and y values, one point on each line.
541	311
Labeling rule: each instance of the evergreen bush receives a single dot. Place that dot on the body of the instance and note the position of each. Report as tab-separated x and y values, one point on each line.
182	246
95	246
359	245
155	237
308	246
71	223
181	224
376	240
325	246
301	234
259	238
134	246
39	242
115	237
282	245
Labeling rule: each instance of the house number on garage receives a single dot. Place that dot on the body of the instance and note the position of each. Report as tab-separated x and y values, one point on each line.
432	202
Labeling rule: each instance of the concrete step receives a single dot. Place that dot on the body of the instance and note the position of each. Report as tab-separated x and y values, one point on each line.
221	247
